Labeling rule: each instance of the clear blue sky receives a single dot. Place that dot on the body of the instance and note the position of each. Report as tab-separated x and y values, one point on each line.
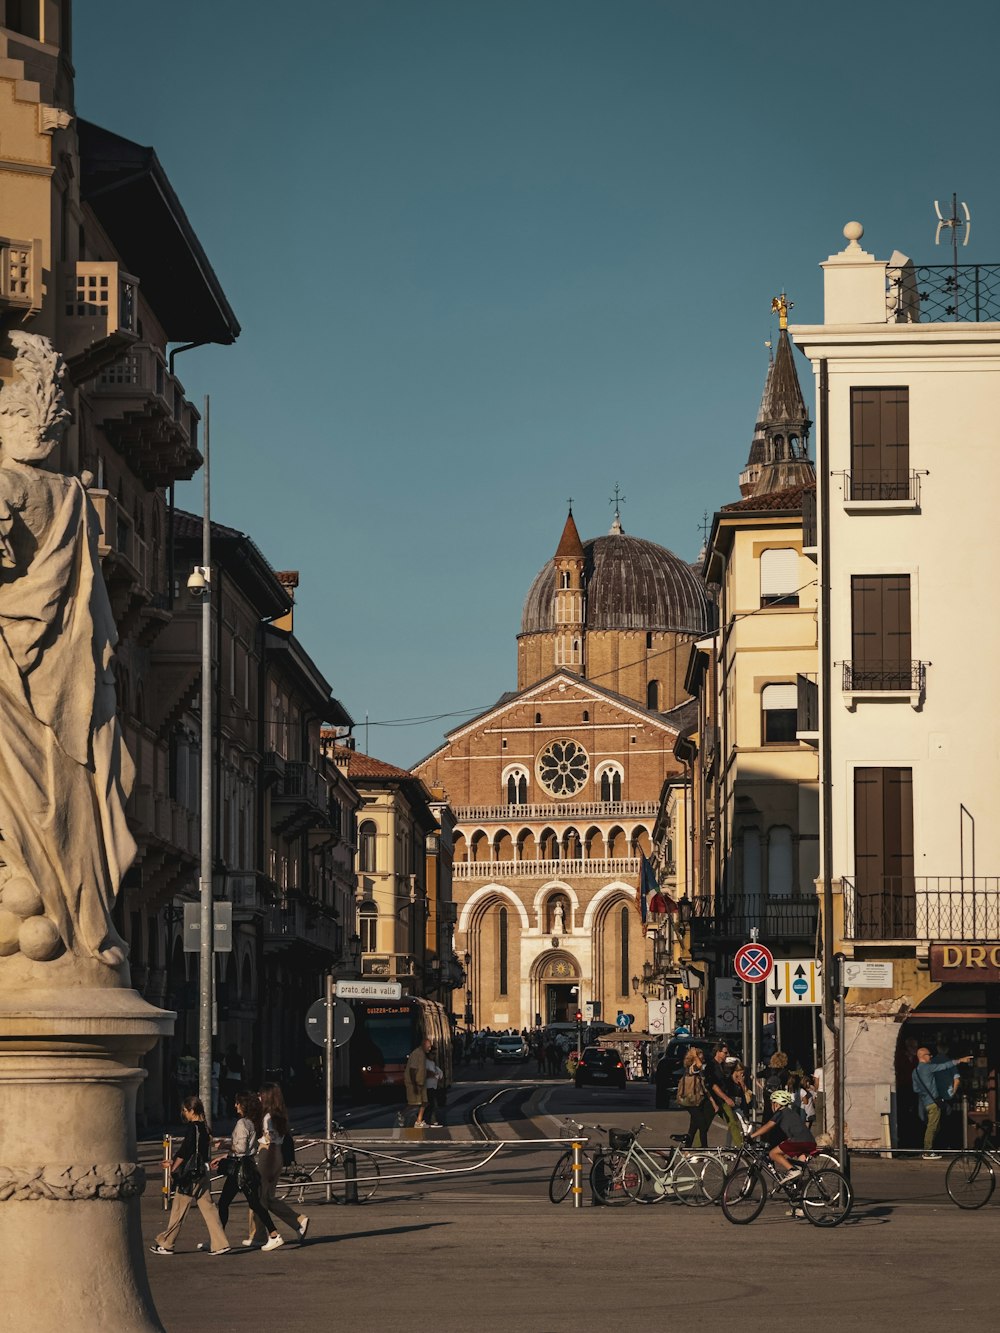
488	254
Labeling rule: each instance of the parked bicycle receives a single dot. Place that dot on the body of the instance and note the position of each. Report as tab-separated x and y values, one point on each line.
344	1164
629	1173
561	1180
821	1194
971	1177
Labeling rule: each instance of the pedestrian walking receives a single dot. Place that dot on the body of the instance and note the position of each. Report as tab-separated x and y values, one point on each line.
807	1100
934	1090
720	1088
415	1081
240	1169
434	1083
192	1183
270	1160
742	1093
693	1095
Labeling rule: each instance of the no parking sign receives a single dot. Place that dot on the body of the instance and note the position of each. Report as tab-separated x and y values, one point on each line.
753	963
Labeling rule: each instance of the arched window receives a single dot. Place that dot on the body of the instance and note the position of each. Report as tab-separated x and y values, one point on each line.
564	579
503	946
367	860
610	782
517	787
623	982
653	696
586	715
779	577
780	871
368	927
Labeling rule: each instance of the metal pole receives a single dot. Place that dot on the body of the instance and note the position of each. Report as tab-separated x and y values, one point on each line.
577	1174
777	1027
841	1098
754	1020
328	1072
168	1157
206	940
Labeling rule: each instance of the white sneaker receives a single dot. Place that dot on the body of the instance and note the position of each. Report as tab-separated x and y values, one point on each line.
274	1243
247	1243
159	1249
794	1174
303	1226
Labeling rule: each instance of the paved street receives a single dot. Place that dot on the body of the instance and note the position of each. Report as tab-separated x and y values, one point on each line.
488	1250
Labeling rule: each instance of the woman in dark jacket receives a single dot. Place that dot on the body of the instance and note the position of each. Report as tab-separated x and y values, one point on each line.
702	1114
192	1184
240	1166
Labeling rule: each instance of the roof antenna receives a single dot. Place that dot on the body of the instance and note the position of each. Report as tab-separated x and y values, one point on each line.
953	222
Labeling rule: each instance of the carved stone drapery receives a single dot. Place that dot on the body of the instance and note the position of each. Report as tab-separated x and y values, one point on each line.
70	1184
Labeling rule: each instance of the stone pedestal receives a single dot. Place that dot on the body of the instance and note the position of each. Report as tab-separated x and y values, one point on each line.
69	1186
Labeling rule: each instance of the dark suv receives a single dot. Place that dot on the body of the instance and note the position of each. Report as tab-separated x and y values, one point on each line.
598	1066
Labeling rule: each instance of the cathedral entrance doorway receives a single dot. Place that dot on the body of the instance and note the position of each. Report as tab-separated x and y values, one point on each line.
561	1003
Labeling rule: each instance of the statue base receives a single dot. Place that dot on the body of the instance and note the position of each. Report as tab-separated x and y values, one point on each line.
69	1186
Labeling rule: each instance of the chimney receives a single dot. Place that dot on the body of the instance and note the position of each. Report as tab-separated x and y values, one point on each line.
289	580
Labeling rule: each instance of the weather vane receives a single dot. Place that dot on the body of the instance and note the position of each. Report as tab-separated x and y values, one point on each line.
780	306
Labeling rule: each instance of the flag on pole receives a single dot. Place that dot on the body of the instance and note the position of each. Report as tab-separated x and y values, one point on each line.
647	886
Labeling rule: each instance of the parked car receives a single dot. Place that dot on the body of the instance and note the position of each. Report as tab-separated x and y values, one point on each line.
671	1066
600	1067
510	1048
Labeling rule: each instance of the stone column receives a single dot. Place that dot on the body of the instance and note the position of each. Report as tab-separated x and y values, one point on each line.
70	1231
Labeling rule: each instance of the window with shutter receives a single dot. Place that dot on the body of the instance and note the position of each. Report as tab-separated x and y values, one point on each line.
779	710
880	632
779	577
880	444
885	906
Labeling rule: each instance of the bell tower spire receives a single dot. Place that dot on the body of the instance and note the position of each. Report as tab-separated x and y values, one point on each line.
779	455
570	596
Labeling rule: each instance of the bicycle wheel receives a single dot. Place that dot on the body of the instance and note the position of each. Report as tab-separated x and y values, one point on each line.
714	1170
293	1184
744	1195
826	1198
970	1180
642	1186
367	1176
685	1181
561	1180
609	1175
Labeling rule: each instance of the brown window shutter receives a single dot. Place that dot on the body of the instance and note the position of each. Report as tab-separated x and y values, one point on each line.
880	444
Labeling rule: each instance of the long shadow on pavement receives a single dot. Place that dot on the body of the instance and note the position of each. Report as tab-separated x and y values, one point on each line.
366	1235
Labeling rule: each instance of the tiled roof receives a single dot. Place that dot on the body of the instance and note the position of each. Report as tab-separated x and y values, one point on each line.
789	499
187	527
366	765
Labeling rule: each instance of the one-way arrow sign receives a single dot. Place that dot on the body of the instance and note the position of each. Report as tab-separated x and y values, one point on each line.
795	981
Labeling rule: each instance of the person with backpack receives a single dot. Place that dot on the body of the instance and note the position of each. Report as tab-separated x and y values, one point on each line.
192	1184
275	1150
693	1095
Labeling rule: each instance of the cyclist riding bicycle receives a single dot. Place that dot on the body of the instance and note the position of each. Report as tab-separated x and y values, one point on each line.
786	1134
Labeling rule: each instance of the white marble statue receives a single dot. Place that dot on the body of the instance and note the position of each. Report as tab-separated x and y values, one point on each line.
64	771
559	919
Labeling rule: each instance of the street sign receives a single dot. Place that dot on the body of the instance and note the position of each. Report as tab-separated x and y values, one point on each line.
753	962
660	1016
794	982
728	995
222	927
868	976
624	1020
343	1023
592	1010
368	990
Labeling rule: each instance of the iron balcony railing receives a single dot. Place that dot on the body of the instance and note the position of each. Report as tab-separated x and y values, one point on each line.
908	677
936	293
862	487
926	907
732	918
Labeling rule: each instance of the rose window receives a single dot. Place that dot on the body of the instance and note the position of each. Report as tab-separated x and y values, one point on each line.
563	768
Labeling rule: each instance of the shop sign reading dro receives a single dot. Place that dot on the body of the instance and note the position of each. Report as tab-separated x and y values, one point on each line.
966	962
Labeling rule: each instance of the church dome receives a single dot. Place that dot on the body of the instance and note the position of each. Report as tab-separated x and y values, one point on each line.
631	584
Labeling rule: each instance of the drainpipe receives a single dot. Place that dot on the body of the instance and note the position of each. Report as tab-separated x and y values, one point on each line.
826	696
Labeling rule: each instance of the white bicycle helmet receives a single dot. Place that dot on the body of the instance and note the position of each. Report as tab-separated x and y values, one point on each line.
782	1097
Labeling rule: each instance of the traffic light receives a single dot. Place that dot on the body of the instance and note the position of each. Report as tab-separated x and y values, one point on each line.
684	1010
579	1015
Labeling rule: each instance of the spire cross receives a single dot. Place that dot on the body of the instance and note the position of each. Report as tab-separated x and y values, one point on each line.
704	526
617	500
569	504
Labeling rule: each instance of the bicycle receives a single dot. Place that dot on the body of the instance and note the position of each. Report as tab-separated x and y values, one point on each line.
629	1173
821	1194
970	1179
332	1169
562	1179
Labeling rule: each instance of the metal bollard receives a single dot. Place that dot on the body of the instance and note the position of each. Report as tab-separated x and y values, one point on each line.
168	1157
577	1174
350	1178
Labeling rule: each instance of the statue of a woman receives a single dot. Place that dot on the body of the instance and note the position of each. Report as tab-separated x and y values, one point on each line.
64	771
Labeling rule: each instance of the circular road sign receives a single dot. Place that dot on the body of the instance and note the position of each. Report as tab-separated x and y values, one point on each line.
343	1023
753	963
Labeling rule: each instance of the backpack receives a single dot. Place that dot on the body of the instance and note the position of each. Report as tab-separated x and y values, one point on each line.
691	1091
288	1150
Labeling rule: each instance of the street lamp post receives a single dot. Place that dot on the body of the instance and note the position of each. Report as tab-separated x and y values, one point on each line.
200	585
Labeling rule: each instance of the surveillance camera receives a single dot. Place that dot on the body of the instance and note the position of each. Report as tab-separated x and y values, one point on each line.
197	583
